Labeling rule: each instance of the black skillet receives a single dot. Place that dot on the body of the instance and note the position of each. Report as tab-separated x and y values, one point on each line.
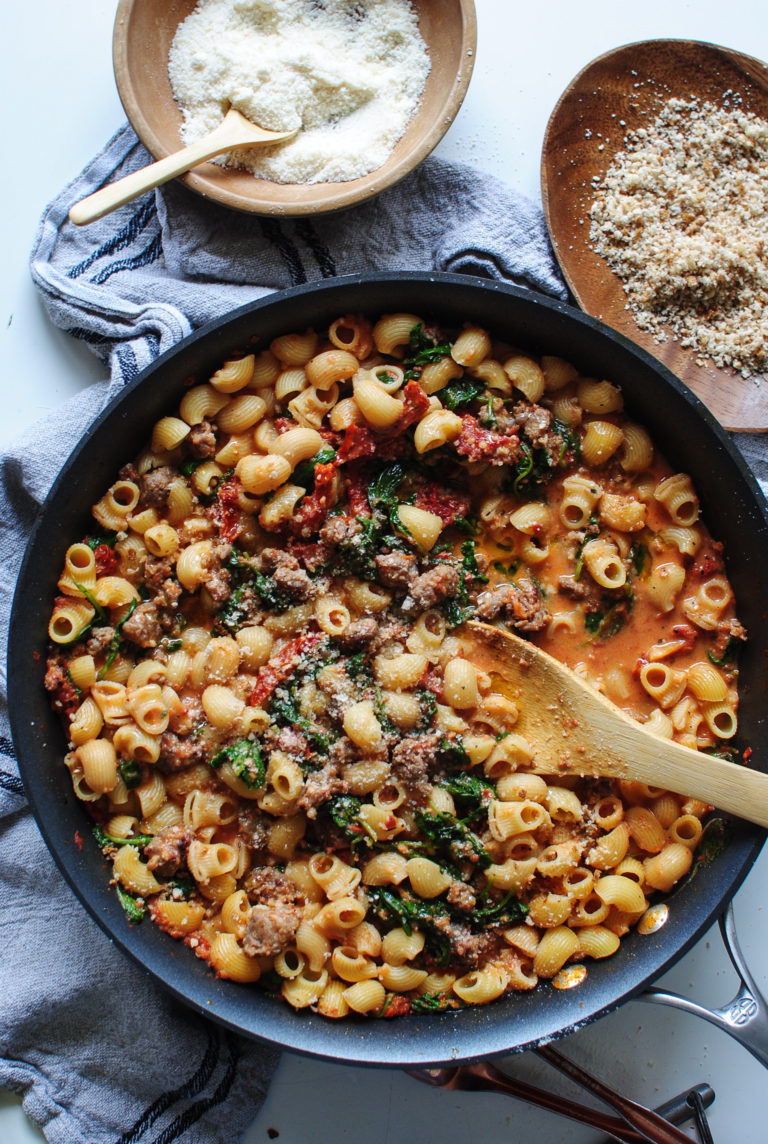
683	429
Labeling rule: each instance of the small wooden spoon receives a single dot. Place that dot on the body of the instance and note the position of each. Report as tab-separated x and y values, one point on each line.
573	729
234	131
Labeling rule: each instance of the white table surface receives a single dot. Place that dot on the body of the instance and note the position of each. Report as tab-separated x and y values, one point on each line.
57	69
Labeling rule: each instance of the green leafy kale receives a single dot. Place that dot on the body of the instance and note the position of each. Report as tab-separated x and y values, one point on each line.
504	911
453	837
245	759
506	569
729	653
456	612
611	617
171	645
433	1003
344	810
471	792
304	473
272	596
383	488
397	909
423	349
356	665
182	888
489	416
638	556
130	773
467	524
536	464
452	751
107	538
114	644
134	910
101	615
243	576
469	561
233	615
104	840
428	703
460	392
284	708
189	464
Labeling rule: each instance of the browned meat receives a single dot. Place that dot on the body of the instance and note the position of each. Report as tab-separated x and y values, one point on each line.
202	440
397	569
521	605
266	885
534	420
129	472
390	631
253	827
726	630
168	596
319	787
270	929
340	530
462	896
342	752
275	915
358	634
467	948
413	760
439	583
167	852
143	626
217	578
99	640
64	696
178	753
287	574
156	570
310	556
572	587
293	742
155	485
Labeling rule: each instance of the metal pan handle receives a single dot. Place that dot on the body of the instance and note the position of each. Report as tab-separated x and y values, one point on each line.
745	1018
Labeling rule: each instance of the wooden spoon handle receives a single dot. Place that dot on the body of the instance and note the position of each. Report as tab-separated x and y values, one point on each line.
728	786
114	195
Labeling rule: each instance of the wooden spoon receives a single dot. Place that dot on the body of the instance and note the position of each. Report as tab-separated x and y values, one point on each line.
573	729
234	131
617	93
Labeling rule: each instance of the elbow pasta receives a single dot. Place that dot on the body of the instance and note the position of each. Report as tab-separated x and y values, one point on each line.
264	695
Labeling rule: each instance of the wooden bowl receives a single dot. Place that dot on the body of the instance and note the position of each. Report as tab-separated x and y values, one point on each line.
143	33
617	93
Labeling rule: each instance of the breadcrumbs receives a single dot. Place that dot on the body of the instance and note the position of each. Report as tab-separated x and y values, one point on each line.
682	218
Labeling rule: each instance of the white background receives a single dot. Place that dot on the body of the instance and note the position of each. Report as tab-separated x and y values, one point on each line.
61	107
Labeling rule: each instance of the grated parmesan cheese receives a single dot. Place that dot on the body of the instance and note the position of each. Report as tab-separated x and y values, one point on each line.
348	73
682	218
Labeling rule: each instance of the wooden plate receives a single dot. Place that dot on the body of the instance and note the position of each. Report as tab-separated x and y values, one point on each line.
584	132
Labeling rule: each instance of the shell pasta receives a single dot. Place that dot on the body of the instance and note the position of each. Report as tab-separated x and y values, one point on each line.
291	764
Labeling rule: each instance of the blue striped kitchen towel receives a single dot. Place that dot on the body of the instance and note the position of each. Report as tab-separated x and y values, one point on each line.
100	1054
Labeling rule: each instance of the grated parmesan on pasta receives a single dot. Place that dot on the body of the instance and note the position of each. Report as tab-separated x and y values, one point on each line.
349	75
682	218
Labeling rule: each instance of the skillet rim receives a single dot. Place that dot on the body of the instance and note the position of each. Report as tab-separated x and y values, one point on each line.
436	1039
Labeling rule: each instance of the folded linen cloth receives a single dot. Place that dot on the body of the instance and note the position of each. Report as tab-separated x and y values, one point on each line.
102	1055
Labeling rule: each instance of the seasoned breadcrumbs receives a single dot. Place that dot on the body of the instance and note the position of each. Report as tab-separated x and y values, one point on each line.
682	218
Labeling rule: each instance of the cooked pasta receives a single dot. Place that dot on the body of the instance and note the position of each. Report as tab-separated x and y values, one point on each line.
264	695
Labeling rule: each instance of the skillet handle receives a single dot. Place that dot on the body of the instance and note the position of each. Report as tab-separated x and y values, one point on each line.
745	1018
